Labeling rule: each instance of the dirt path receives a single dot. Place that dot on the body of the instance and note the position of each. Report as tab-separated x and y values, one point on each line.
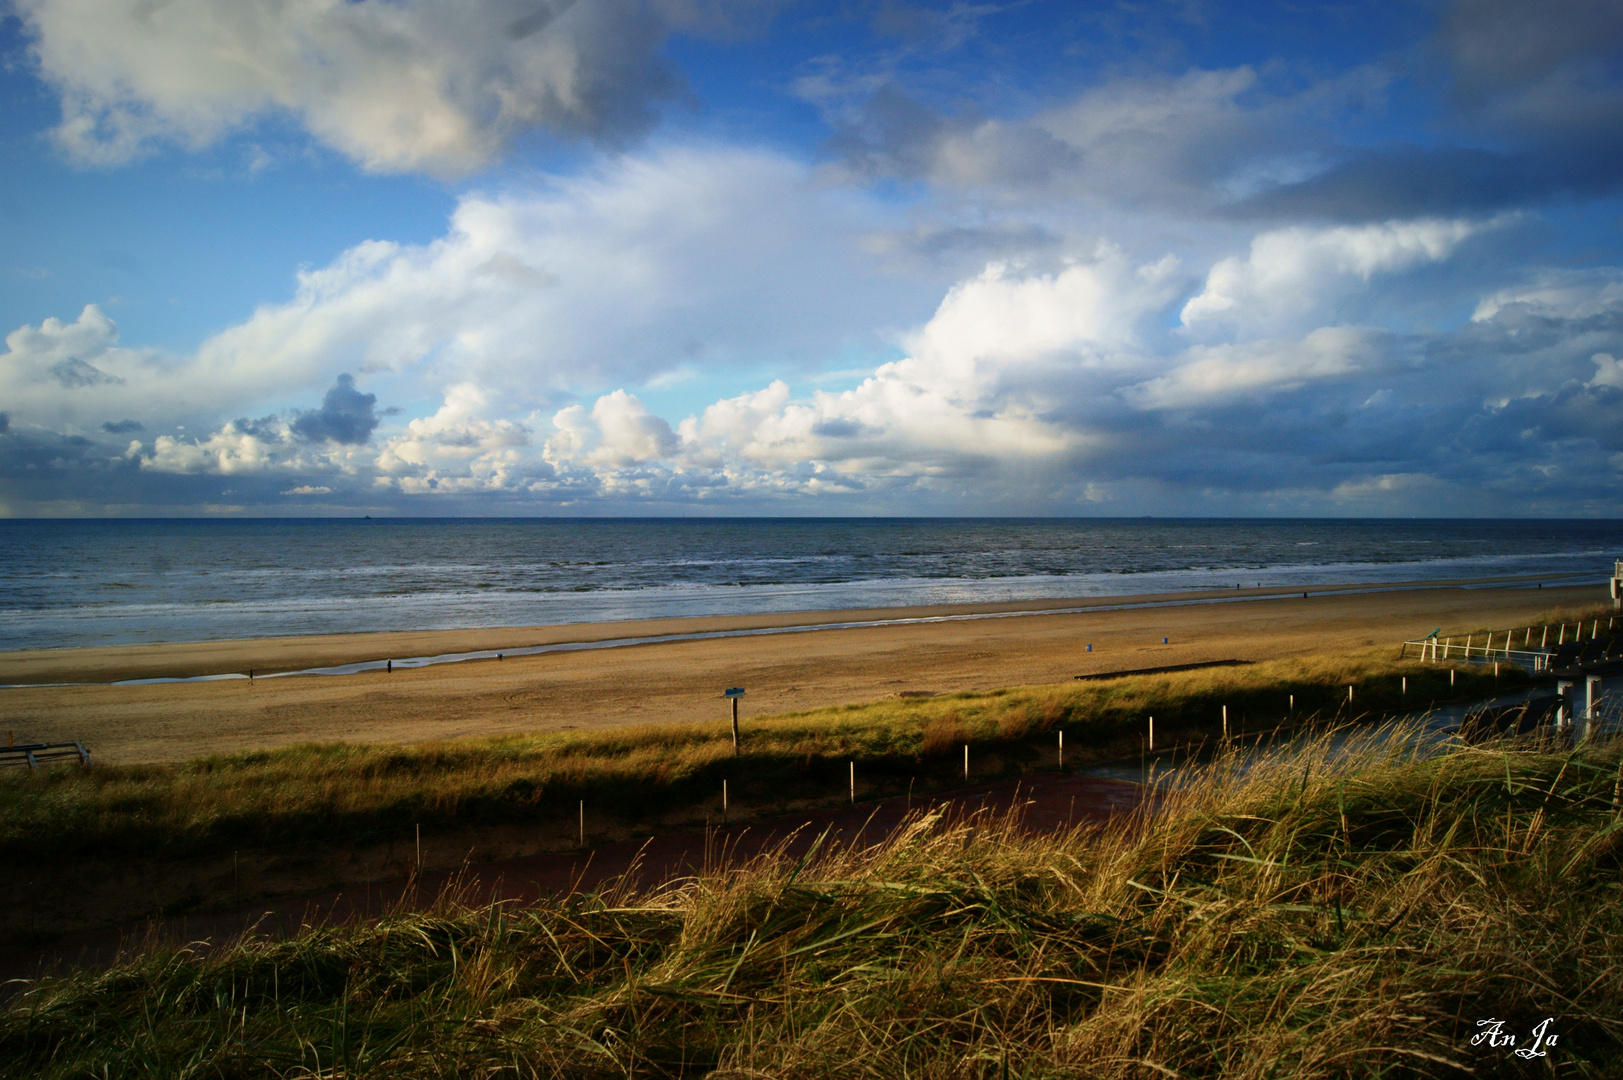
1048	803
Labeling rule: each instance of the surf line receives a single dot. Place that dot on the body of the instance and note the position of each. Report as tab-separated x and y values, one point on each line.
761	631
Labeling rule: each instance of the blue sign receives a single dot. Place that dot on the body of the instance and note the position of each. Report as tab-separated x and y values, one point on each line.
736	691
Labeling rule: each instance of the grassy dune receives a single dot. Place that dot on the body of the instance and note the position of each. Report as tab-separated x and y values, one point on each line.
347	792
1600	618
1323	915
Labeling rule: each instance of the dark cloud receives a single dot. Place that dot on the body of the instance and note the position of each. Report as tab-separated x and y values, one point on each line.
1592	414
268	428
891	135
1501	48
346	415
839	429
620	73
1542	83
537	20
1406	182
122	427
74	373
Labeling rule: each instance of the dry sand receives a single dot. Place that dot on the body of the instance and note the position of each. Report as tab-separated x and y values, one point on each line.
681	682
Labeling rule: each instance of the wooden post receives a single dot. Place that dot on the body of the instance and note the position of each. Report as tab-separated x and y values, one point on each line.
419	847
724	802
1545	640
1152	733
1527	638
1451	676
1291	709
1406	686
1225	721
733	693
583	816
1062	749
853	783
388	666
966	761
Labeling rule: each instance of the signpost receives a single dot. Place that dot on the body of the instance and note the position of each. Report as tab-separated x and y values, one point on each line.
733	693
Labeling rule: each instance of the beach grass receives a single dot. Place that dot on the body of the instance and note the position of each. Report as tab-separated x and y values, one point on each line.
354	793
1585	619
1332	910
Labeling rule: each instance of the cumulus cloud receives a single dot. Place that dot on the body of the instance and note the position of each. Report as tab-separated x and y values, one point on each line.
625	274
73	374
457	449
973	399
418	84
538	346
1290	273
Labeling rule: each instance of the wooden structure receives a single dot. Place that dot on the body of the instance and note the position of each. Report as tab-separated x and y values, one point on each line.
33	755
733	693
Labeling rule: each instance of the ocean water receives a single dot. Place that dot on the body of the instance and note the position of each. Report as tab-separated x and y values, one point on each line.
71	583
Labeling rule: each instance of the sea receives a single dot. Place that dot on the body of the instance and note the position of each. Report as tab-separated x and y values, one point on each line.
108	582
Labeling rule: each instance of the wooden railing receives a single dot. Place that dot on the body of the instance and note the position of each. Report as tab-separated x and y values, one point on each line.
33	755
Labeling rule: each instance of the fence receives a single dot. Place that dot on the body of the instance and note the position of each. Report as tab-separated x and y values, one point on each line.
1487	648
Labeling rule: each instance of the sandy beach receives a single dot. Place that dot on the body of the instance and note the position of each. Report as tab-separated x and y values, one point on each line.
681	682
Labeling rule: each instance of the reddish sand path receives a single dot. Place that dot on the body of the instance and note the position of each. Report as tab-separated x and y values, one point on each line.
1047	803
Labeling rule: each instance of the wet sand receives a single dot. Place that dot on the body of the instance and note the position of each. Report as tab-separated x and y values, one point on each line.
681	681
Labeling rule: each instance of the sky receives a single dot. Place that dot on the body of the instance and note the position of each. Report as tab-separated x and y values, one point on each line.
746	257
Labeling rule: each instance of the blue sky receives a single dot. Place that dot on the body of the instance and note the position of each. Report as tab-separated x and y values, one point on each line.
711	257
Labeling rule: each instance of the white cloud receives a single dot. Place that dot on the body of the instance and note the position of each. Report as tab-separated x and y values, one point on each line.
73	376
1207	375
624	275
619	432
1095	304
502	365
1291	275
1564	294
229	451
458	449
416	84
1608	371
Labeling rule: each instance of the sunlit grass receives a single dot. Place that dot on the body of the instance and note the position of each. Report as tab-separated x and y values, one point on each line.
363	792
1333	912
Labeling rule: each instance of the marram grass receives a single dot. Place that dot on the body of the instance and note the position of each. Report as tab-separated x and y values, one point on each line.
1326	914
353	792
